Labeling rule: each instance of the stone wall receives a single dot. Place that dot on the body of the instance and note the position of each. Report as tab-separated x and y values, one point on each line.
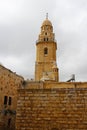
9	83
52	106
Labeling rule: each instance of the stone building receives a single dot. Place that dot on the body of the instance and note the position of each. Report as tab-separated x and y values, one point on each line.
46	103
9	83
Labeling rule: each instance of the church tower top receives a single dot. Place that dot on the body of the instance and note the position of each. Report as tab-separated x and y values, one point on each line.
46	34
46	22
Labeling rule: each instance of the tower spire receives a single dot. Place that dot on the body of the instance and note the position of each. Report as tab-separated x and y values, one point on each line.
46	15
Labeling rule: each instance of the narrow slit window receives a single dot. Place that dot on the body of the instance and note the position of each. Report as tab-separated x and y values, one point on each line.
44	39
10	101
45	50
9	122
5	100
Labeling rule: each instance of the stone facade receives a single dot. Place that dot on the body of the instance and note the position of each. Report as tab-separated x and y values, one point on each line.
52	106
9	83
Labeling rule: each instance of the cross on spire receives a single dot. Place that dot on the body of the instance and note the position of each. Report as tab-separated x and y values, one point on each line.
46	15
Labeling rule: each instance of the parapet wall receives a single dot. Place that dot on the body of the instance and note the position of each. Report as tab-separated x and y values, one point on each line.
52	106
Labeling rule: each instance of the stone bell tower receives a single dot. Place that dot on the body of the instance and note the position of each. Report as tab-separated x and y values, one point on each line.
46	46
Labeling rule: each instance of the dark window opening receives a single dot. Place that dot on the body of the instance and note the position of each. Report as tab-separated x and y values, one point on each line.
5	100
46	33
47	39
9	122
10	100
44	39
45	50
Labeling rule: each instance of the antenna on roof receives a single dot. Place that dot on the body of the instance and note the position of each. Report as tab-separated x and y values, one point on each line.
46	15
72	78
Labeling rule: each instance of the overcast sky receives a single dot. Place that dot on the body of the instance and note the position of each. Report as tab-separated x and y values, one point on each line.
20	22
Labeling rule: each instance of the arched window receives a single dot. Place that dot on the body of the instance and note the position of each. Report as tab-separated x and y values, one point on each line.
45	50
46	39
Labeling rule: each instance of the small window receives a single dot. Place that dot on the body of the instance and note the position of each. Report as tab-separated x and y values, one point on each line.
5	100
46	50
9	122
47	39
9	101
44	39
46	33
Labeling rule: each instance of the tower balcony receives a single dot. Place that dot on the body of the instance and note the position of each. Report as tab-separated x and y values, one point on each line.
38	41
